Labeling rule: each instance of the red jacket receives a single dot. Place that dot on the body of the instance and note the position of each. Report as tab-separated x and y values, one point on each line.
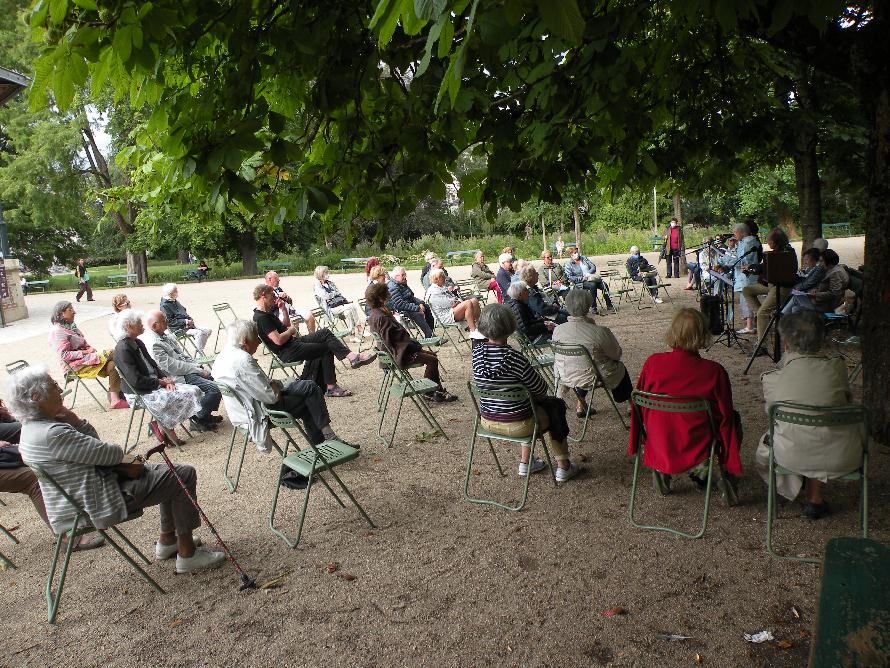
676	442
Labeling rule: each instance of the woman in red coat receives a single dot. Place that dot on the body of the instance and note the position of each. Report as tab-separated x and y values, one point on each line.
678	442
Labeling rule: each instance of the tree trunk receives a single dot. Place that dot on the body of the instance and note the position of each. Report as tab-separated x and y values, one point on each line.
678	214
182	257
137	263
248	247
576	213
806	164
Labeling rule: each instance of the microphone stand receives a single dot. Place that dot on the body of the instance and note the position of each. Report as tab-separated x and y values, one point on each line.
777	338
727	306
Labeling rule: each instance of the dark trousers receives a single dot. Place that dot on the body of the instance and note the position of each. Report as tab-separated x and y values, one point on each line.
158	486
556	414
431	372
673	262
650	281
305	401
23	481
84	287
423	320
10	432
212	397
318	350
593	286
620	394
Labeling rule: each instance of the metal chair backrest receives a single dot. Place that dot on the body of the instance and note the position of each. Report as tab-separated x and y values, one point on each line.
228	391
577	350
819	416
667	403
44	476
220	310
18	365
502	393
281	419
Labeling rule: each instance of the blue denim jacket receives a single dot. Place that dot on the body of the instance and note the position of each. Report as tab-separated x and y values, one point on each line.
575	272
745	253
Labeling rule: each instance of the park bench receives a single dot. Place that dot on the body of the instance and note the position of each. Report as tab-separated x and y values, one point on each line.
657	241
121	280
279	267
30	286
837	229
353	262
853	618
451	255
190	275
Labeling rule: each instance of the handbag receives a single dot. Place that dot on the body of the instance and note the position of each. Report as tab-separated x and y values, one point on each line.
339	300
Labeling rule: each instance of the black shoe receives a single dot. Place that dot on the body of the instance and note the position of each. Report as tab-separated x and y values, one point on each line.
701	482
199	425
815	511
293	480
214	419
446	396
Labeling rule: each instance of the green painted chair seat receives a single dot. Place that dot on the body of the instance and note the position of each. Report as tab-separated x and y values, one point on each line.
333	453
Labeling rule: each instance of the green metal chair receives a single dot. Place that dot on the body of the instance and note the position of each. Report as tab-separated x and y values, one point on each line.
539	355
80	526
815	416
185	342
311	462
417	334
276	363
5	561
336	325
12	367
225	316
71	376
577	350
237	430
400	384
669	404
457	327
387	379
505	393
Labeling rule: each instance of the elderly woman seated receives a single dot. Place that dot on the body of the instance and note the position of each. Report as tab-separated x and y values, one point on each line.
448	308
604	350
482	274
497	365
168	402
404	349
541	304
78	355
535	328
806	376
680	442
108	485
450	285
330	299
179	320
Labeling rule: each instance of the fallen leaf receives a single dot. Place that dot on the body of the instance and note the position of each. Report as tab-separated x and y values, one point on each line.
795	612
698	658
274	582
615	610
333	566
175	623
784	644
368	534
346	576
509	649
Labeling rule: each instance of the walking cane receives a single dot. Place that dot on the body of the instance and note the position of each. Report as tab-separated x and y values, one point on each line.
247	582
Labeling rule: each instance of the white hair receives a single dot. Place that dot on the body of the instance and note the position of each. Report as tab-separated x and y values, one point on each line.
25	388
578	302
634	250
526	270
429	255
477	255
126	317
821	244
435	273
743	228
320	272
518	266
168	289
504	257
397	270
240	332
516	288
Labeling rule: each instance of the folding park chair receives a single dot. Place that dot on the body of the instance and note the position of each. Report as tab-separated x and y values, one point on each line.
387	379
289	368
815	416
537	355
81	526
5	561
458	327
324	316
139	405
468	286
417	335
402	385
644	290
505	393
670	404
12	367
71	376
237	430
310	462
577	350
225	316
185	342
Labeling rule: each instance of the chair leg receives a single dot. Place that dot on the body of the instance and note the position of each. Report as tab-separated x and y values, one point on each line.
351	498
233	484
6	532
586	417
127	447
302	518
7	563
136	567
53	599
90	392
494	455
428	415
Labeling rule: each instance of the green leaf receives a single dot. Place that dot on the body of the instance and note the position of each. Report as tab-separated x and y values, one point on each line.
385	19
429	9
38	12
58	9
563	19
317	199
726	16
123	43
63	88
86	4
430	40
446	38
782	13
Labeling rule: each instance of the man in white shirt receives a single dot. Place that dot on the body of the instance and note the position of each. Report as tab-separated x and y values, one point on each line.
303	399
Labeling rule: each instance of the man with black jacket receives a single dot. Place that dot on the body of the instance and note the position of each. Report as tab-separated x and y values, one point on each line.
402	300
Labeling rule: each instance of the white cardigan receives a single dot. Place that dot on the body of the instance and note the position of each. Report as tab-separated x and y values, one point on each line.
239	370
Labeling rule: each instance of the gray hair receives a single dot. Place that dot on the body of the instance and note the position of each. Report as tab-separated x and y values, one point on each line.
25	388
320	271
126	317
504	257
803	332
526	271
821	244
578	302
240	332
397	270
517	288
518	265
742	227
435	273
496	322
477	255
56	314
168	289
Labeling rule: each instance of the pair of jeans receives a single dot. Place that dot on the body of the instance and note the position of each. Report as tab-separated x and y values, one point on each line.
304	400
212	397
423	320
673	263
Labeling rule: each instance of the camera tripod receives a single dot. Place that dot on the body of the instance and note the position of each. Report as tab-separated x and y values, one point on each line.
774	326
727	316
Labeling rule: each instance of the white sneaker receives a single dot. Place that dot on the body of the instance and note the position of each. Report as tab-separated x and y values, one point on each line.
203	560
537	466
658	300
745	330
562	475
167	551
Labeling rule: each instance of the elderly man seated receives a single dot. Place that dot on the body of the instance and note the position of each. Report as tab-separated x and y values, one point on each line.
496	365
580	271
535	328
604	349
541	304
178	318
505	274
806	376
104	481
236	367
285	305
403	301
639	270
181	367
552	275
482	274
827	295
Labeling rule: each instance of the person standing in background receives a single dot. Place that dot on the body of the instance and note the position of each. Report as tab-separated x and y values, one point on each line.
83	280
671	251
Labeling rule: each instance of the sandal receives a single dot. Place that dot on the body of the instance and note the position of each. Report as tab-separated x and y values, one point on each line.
337	391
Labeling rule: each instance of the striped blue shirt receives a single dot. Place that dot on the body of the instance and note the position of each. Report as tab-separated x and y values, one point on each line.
498	366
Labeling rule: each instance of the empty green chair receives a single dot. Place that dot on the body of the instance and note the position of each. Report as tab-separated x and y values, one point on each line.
71	376
506	393
276	363
815	416
80	526
311	462
225	316
577	350
670	404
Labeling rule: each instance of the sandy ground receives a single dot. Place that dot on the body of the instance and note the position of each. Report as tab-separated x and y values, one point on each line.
439	581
